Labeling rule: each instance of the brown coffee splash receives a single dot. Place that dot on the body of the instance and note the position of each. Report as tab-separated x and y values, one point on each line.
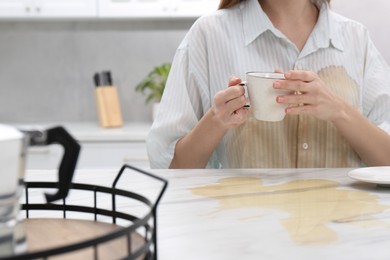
312	205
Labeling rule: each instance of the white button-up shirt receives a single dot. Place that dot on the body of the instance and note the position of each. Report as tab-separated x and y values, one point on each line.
242	38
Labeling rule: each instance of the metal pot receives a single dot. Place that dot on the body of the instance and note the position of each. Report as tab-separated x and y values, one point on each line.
13	148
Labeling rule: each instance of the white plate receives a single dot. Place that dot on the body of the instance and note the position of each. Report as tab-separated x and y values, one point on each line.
379	175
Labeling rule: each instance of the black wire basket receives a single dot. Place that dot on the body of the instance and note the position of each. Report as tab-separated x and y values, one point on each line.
147	223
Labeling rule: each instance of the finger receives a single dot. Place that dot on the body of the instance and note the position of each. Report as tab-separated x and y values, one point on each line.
236	104
234	92
295	99
300	110
229	94
278	71
302	75
234	81
239	116
293	85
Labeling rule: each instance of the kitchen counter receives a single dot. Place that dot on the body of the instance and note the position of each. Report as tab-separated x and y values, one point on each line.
92	132
263	213
101	148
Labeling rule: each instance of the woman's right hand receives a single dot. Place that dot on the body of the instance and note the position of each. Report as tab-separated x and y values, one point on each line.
195	148
228	107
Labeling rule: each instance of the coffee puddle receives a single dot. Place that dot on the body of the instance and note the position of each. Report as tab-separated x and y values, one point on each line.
313	205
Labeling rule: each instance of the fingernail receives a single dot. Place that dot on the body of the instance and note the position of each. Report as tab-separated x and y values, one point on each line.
276	84
287	75
279	99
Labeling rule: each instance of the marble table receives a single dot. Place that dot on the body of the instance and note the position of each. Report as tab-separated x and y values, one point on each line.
263	213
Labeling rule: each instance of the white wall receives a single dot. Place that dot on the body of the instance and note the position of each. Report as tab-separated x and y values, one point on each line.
374	14
46	67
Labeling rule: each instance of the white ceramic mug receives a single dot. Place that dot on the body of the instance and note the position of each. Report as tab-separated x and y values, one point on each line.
262	95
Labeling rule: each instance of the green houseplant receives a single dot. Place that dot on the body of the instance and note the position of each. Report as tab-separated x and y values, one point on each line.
154	83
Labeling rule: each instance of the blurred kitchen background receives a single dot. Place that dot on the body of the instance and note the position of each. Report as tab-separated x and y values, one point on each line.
49	51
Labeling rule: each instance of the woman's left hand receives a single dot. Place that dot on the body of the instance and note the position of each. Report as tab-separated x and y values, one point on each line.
311	96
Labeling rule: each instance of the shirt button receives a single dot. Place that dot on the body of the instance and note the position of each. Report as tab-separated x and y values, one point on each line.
305	146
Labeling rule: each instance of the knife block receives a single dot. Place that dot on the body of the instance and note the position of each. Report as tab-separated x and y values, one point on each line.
108	106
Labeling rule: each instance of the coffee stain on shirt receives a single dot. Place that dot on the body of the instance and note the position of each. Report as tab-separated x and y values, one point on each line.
312	205
297	141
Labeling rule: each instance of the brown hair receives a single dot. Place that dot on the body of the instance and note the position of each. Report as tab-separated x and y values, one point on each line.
229	3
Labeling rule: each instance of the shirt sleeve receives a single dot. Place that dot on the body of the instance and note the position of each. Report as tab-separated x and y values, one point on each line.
185	99
376	90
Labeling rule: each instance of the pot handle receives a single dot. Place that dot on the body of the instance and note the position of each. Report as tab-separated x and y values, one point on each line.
58	135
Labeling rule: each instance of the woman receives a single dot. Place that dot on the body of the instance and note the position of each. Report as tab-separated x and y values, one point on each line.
343	80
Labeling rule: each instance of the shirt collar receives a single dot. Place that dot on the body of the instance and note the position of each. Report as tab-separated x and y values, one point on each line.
327	31
256	22
335	30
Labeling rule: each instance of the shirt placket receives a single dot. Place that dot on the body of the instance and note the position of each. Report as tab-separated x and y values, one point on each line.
303	145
